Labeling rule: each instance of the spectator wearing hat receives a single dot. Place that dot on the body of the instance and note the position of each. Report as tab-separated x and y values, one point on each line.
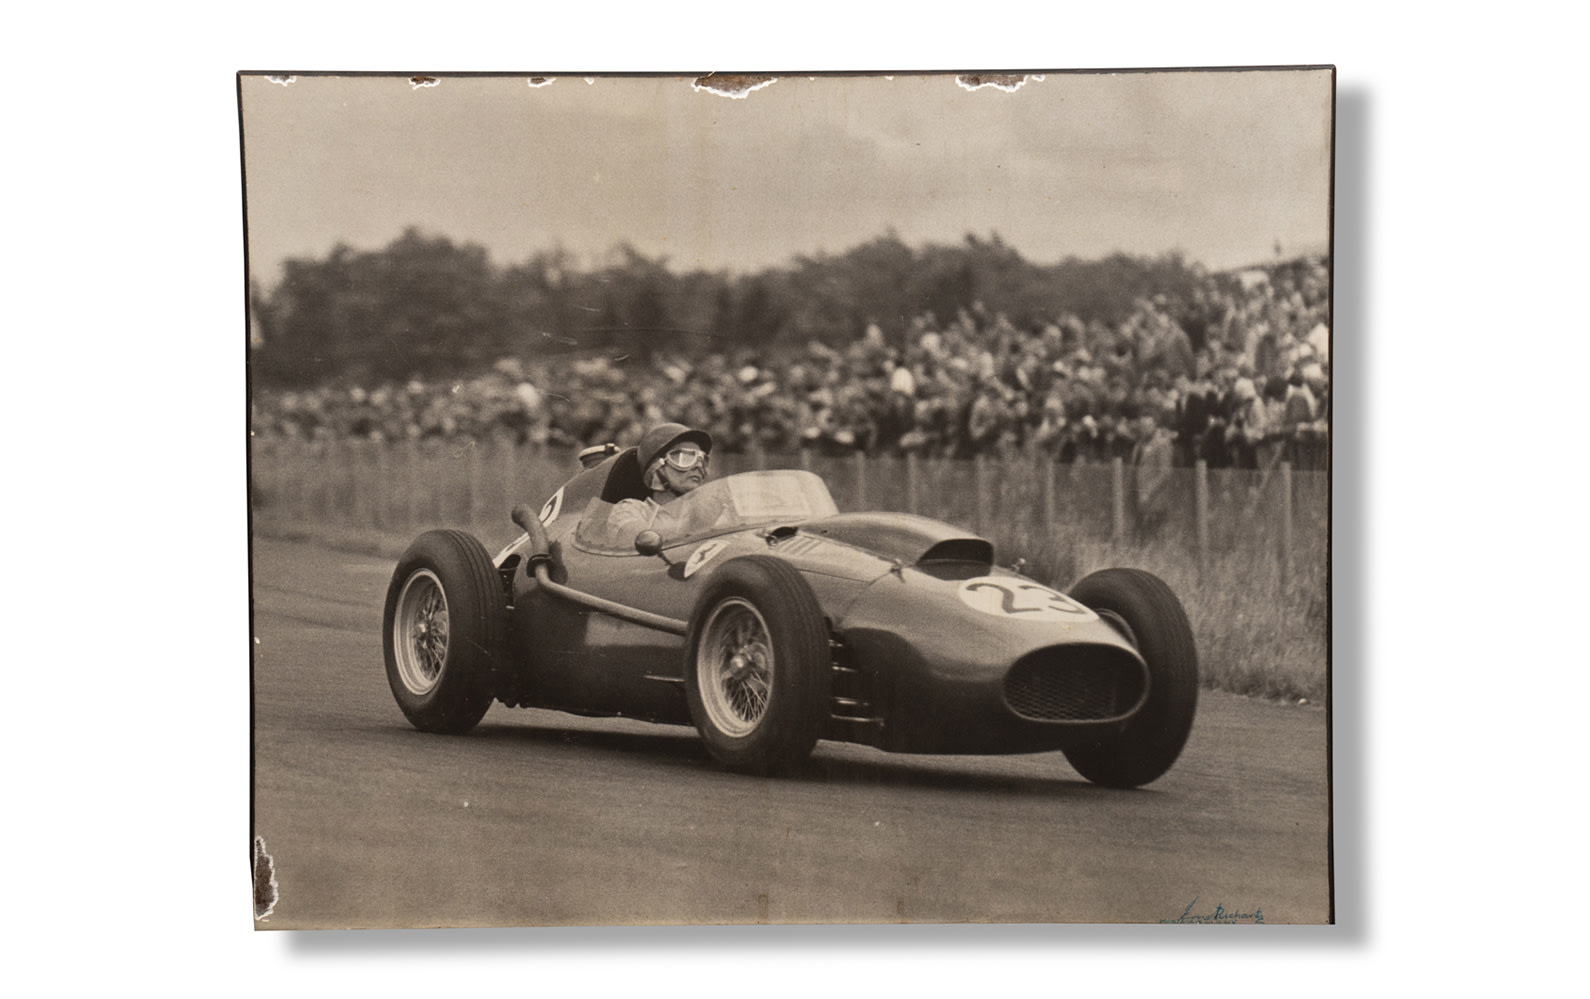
1152	459
1248	425
1300	403
974	385
1192	422
1304	417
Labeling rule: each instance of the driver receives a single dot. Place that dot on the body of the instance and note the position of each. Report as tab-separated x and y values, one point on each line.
673	459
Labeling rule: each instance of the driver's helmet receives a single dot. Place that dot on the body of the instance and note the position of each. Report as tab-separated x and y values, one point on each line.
666	438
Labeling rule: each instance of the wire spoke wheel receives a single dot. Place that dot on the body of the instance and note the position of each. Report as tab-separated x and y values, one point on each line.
735	662
443	630
757	666
420	631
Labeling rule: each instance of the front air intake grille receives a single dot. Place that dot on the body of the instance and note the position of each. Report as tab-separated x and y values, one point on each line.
1074	683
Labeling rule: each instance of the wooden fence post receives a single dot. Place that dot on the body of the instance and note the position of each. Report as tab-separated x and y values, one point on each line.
327	466
348	484
980	464
806	459
1201	513
1117	500
383	484
286	468
861	480
1046	486
1286	522
355	510
311	472
477	483
352	468
910	482
411	483
509	480
369	497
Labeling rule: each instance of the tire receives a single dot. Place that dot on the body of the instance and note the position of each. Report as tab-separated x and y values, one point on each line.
758	671
443	632
1156	623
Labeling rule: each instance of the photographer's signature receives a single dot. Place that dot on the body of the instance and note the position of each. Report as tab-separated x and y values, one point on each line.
1220	915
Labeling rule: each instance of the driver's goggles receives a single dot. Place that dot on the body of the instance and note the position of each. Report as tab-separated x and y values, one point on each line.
686	458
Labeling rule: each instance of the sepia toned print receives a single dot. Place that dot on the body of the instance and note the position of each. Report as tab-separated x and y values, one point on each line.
851	498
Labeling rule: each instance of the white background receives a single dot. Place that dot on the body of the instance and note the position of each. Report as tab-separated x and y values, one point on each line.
1459	597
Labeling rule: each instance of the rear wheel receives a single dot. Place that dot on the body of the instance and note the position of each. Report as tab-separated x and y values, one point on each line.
757	669
443	630
1144	609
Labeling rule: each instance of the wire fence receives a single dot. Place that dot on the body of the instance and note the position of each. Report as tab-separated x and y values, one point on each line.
1247	552
404	487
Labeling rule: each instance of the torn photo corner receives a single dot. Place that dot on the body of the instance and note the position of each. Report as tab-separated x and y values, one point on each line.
785	498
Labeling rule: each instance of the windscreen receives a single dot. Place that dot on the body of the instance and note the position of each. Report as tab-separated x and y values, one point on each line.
758	498
751	499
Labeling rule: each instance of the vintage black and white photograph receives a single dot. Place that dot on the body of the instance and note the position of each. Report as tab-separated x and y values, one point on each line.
790	499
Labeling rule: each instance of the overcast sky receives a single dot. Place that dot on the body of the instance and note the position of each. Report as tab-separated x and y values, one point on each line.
1218	165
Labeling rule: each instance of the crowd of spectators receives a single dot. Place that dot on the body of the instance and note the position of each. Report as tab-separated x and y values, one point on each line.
1236	375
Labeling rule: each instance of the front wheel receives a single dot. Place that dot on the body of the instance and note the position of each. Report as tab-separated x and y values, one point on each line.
757	670
1144	609
443	630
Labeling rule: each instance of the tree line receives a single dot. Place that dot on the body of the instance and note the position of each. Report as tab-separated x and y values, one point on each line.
425	306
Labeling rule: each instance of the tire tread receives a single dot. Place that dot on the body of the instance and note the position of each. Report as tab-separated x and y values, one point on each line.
799	710
477	622
1154	738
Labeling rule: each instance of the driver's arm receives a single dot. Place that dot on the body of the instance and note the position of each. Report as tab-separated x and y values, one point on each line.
631	516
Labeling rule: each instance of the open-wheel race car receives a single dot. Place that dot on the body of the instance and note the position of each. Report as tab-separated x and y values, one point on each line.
769	620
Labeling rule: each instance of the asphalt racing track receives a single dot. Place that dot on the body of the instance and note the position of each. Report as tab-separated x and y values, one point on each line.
543	818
